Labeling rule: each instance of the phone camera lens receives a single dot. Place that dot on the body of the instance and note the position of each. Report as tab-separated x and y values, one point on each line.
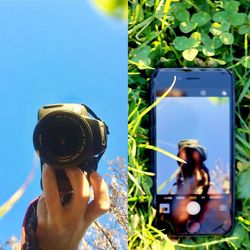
224	93
203	93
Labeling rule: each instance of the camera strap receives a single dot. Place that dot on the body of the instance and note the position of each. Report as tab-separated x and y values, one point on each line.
93	163
90	111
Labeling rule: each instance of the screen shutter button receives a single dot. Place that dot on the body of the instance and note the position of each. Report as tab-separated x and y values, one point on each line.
193	208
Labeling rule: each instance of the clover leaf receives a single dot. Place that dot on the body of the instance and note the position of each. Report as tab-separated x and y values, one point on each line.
190	54
206	40
218	28
244	29
238	18
232	6
234	19
197	37
201	18
243	185
216	42
208	51
185	4
210	45
181	14
245	61
187	27
143	53
141	57
221	16
227	38
183	43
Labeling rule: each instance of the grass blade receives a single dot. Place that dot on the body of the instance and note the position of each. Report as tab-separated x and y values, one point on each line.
6	207
162	151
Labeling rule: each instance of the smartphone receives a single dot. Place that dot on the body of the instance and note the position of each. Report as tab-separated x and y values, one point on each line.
193	187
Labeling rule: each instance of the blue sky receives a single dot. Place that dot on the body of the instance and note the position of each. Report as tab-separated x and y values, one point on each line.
197	118
50	52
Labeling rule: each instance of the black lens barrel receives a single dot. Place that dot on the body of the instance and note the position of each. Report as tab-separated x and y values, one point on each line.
63	139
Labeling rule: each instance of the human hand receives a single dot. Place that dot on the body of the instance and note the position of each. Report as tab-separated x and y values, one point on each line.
62	227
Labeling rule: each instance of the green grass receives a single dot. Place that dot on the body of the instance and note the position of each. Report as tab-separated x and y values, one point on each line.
185	33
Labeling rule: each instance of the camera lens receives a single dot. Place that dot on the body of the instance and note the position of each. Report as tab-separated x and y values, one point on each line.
62	138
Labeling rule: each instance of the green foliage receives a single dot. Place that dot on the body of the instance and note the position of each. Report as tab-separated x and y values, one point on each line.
187	33
218	28
114	8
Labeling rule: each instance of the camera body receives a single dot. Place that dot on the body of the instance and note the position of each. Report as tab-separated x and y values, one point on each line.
66	135
193	144
194	171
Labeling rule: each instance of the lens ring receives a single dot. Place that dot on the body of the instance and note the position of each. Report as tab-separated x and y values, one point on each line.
63	138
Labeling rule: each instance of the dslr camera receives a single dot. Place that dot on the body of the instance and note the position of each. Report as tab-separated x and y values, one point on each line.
187	148
195	145
69	135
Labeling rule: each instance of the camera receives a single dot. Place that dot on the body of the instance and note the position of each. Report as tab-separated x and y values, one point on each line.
69	135
194	169
193	144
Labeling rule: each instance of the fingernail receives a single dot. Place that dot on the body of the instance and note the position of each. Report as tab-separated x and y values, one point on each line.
45	165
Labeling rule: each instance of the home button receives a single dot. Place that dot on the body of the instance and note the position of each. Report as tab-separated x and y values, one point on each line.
193	226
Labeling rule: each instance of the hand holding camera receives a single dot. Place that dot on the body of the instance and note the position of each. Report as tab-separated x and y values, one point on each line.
65	136
62	227
70	140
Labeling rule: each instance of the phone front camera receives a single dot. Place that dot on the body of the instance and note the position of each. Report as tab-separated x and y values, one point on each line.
203	93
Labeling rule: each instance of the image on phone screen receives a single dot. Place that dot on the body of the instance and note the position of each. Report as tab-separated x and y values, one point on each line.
193	194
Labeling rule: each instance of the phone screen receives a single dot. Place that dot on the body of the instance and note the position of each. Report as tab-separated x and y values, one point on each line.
194	124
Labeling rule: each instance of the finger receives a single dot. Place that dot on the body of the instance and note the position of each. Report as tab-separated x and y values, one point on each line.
80	187
51	193
41	211
101	202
